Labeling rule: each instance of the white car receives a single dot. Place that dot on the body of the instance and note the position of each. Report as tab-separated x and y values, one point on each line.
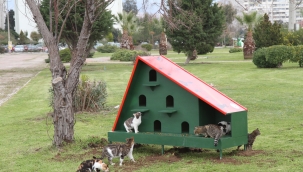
19	48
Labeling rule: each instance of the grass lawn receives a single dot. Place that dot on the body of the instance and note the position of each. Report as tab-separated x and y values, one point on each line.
272	96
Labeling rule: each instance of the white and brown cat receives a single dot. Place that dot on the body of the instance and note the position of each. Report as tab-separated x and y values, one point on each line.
119	150
133	122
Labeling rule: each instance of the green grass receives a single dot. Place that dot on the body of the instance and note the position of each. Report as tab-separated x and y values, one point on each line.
272	96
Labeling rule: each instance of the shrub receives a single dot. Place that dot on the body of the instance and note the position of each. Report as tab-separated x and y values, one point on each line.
148	47
235	50
65	55
259	59
127	55
91	54
107	48
90	96
47	60
298	55
278	54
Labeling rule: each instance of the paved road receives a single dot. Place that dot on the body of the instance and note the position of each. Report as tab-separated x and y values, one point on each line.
22	60
16	70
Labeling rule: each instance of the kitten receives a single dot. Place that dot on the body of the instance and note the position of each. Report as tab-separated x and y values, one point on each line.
251	139
133	122
212	130
94	164
119	150
226	127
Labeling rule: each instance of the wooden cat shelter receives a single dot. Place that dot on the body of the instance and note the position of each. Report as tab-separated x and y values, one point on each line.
173	102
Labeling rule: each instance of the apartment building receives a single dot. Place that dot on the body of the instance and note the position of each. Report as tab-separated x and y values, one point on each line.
277	10
3	12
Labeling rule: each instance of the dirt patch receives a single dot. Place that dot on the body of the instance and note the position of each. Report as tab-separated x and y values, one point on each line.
170	156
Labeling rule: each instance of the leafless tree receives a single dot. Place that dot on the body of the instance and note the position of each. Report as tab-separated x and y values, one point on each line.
65	82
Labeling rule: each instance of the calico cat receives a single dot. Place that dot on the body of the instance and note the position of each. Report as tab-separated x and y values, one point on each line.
133	122
251	139
212	130
226	127
119	150
94	164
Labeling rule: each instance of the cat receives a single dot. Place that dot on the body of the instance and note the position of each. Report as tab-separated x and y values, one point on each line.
133	122
94	164
251	139
119	150
226	127
212	130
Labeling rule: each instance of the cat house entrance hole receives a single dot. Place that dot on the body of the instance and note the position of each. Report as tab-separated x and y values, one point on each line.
157	126
169	101
152	75
142	100
185	127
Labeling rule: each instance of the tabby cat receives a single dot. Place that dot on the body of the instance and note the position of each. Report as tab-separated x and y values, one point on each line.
94	164
133	122
251	139
119	150
211	130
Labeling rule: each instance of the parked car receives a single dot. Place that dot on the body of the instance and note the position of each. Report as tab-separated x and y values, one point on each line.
39	47
19	48
5	48
114	44
32	48
98	45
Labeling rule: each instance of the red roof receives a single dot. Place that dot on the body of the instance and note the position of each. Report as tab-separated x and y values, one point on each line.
192	84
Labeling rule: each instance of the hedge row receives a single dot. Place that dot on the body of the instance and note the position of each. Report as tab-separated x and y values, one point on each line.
127	55
274	56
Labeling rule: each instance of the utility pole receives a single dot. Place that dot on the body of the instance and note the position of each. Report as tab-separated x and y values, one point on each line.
9	43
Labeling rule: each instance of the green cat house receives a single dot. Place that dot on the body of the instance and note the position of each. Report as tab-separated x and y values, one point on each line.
173	102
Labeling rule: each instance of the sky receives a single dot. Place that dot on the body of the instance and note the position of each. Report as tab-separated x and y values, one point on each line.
11	4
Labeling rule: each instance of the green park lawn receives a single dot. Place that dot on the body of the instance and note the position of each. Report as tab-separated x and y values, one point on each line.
273	98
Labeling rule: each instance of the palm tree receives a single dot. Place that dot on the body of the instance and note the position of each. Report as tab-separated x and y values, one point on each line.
127	20
249	20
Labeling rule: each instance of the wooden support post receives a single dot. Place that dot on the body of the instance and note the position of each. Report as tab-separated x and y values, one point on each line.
162	149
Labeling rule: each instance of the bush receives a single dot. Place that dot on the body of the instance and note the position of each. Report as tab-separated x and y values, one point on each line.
278	54
127	55
65	55
148	47
259	59
90	96
235	50
91	54
298	55
107	48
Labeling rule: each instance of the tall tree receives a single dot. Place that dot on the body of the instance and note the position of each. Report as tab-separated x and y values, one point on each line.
35	36
249	20
11	15
22	38
130	6
127	21
201	25
100	28
64	82
267	34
